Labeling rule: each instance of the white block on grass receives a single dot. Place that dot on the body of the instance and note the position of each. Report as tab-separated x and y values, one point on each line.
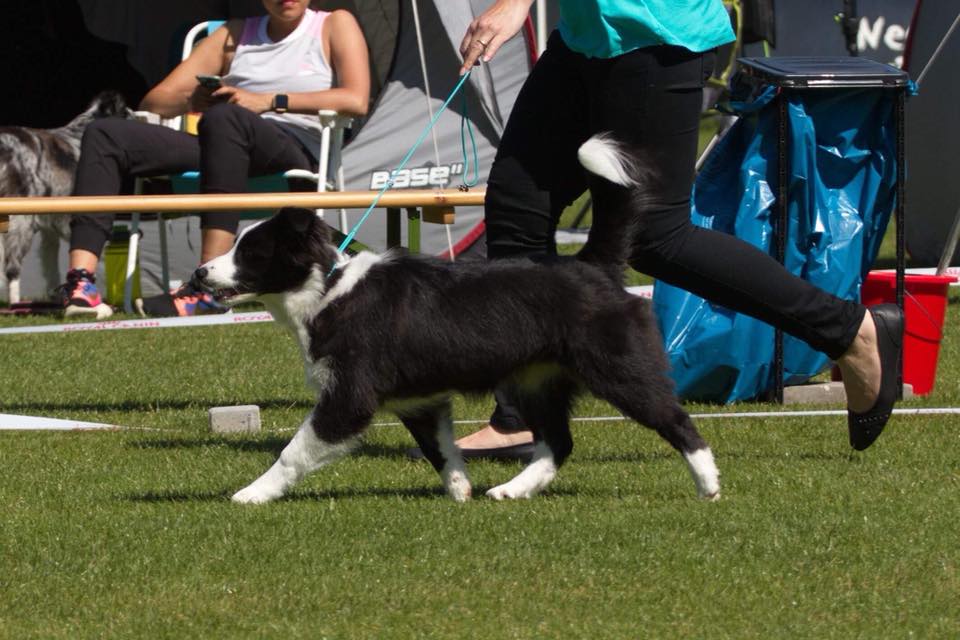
244	418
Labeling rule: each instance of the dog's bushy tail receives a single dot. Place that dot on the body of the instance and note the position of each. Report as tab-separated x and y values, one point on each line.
610	160
619	177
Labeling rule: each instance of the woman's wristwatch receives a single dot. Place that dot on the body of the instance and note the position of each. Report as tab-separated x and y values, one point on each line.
279	103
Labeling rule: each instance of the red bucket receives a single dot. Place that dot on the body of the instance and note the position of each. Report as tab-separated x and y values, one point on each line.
925	306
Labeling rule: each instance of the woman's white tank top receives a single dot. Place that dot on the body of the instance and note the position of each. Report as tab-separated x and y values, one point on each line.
292	65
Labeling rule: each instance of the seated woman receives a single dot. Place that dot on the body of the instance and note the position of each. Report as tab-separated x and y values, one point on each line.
278	71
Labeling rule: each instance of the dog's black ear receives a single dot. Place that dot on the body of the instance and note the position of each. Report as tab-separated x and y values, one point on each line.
297	219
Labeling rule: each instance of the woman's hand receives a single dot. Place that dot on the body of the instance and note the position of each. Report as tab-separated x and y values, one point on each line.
202	99
256	102
491	29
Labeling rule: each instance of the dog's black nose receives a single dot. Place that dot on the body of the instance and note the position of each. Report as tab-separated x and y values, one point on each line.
198	280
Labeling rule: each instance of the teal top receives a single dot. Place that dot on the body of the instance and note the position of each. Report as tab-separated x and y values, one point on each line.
608	28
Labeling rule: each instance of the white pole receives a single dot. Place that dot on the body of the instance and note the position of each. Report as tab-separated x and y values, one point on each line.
939	48
426	86
541	26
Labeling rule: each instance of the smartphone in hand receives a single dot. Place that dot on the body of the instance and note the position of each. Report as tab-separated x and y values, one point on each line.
210	82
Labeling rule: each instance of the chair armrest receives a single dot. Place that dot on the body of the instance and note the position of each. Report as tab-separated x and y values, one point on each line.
330	118
155	118
147	116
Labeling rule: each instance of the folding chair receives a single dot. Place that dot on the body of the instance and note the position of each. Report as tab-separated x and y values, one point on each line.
328	162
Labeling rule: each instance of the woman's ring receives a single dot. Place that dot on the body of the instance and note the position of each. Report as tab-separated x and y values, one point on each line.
482	43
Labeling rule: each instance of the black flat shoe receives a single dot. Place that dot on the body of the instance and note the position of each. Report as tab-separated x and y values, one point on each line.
866	427
521	452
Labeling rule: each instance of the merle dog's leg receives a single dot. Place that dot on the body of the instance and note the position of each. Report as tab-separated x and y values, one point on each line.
626	366
49	254
331	430
432	427
17	242
545	408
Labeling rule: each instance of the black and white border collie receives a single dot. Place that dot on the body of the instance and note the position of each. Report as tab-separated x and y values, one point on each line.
404	332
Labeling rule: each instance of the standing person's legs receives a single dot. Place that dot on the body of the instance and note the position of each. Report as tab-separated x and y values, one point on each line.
534	177
659	117
535	174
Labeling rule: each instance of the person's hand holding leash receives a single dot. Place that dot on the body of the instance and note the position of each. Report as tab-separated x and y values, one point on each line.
491	29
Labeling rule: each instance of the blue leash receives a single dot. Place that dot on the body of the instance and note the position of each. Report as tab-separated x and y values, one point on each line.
465	124
390	182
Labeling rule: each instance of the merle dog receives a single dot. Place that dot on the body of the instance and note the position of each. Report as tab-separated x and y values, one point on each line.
42	162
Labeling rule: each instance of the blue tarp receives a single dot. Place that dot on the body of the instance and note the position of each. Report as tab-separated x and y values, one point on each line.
841	192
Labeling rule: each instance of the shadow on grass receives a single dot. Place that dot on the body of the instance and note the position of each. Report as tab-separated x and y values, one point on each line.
334	494
638	457
275	444
271	444
787	456
298	496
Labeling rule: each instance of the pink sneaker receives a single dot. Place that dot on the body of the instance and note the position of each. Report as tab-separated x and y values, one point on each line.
80	297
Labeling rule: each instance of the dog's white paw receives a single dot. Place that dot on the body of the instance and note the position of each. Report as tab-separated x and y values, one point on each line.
506	492
704	472
254	495
458	487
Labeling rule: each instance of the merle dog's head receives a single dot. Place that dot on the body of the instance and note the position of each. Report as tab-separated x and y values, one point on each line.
275	256
107	104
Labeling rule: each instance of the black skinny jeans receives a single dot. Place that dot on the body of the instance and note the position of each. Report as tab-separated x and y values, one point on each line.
651	100
232	144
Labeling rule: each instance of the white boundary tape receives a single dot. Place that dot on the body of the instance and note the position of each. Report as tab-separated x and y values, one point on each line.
791	414
744	414
31	423
825	412
246	317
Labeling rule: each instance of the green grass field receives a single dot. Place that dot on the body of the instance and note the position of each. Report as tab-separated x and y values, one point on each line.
130	533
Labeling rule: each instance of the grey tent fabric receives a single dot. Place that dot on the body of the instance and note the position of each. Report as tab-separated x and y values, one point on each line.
401	115
933	134
380	141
